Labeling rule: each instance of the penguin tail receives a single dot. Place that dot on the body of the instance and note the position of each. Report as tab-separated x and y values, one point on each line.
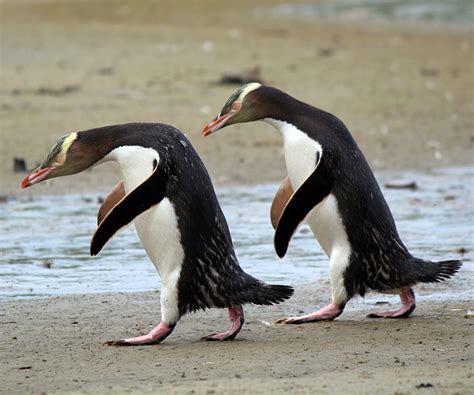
266	294
434	272
275	294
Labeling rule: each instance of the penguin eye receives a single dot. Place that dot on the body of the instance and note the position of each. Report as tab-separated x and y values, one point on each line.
60	159
236	106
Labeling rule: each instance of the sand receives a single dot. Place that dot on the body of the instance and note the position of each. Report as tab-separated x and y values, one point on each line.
404	92
55	345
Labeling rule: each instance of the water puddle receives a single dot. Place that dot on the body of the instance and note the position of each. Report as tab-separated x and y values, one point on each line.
453	12
44	243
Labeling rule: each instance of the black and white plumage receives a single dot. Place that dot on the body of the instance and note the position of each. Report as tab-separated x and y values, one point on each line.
169	196
338	195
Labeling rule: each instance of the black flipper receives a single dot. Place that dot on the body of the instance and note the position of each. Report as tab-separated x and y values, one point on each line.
313	190
150	192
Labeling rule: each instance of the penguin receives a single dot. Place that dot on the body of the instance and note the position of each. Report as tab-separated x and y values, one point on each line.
167	193
331	185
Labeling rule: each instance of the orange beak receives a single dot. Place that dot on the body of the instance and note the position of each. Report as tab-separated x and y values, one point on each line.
216	124
36	176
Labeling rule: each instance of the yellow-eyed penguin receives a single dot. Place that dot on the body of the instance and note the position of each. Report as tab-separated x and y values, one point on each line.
336	191
167	193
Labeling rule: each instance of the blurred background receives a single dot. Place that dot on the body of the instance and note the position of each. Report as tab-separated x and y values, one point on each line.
399	73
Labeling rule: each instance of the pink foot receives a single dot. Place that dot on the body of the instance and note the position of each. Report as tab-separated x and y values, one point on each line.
155	336
327	313
408	305
236	315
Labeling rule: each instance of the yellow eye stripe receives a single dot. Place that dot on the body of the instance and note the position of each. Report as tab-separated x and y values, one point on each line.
57	154
67	142
246	89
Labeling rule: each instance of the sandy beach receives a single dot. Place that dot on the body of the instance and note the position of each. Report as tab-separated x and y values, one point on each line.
404	91
54	345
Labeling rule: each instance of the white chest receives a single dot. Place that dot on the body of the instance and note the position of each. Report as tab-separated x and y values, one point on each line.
300	155
157	227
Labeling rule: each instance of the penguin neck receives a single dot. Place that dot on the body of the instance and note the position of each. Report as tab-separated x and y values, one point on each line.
300	150
282	126
92	147
288	130
124	144
278	105
136	163
284	112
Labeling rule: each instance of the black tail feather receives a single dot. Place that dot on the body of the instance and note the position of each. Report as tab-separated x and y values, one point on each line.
265	294
435	272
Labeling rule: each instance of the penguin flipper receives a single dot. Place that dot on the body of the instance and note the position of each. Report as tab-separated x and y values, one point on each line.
280	200
147	194
111	200
313	190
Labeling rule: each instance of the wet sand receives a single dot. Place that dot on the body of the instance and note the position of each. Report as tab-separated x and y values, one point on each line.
402	91
55	345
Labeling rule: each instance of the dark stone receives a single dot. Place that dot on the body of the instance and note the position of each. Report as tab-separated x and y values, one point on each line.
19	165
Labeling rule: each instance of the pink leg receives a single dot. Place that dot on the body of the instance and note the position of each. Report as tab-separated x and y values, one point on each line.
407	296
327	313
236	315
155	336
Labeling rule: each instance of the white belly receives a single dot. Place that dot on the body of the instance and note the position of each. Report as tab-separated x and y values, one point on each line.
158	231
324	220
157	227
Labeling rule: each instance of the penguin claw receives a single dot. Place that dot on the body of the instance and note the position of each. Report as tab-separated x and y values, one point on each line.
407	297
155	336
220	336
300	320
133	342
289	320
327	313
402	312
116	343
236	316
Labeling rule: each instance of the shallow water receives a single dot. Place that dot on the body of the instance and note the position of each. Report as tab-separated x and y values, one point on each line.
453	12
436	221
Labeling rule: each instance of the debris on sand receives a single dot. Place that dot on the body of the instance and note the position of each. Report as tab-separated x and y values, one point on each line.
19	165
242	77
105	70
65	90
424	385
408	185
47	263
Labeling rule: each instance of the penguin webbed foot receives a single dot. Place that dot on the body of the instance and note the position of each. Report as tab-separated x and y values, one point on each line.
236	316
155	336
407	297
327	313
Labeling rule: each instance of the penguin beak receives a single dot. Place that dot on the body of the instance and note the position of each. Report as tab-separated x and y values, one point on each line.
36	176
216	124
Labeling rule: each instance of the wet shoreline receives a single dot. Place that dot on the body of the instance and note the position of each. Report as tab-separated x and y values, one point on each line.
45	247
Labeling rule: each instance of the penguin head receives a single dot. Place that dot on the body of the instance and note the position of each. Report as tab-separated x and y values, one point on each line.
244	105
66	157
